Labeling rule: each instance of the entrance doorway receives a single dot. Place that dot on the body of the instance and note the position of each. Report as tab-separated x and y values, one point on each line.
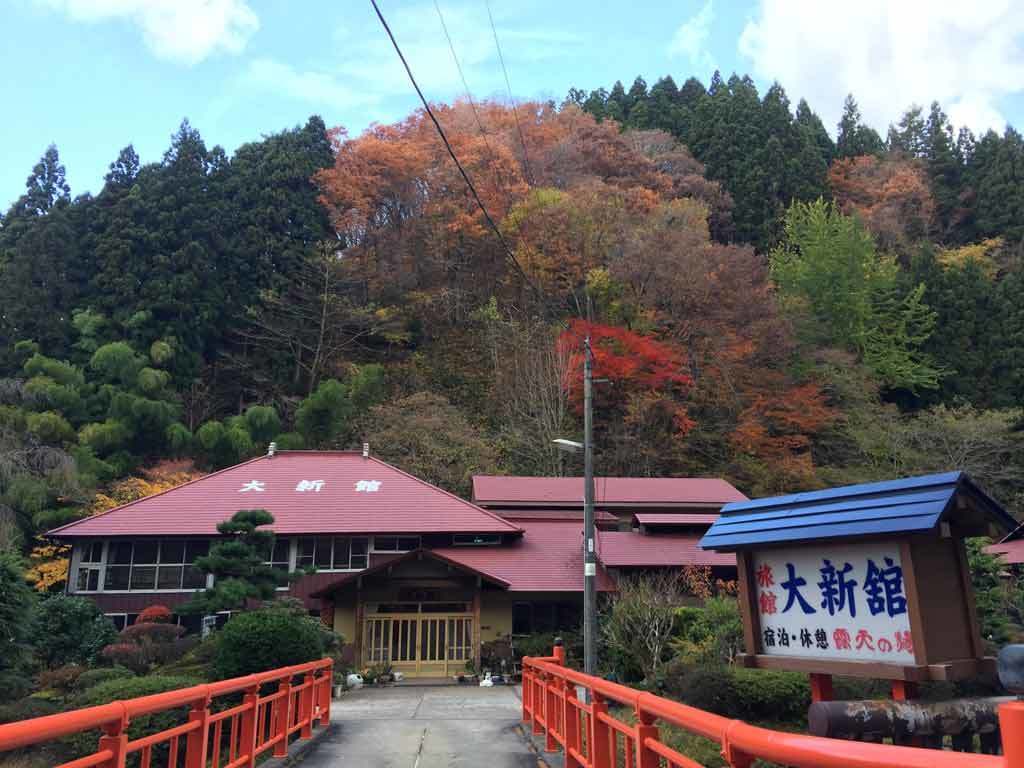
421	644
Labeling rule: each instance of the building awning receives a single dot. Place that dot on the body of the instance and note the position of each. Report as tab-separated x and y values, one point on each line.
905	506
416	554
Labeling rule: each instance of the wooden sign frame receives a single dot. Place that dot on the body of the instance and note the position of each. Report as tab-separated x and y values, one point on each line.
940	603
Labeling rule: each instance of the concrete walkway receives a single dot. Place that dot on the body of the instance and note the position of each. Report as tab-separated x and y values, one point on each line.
414	727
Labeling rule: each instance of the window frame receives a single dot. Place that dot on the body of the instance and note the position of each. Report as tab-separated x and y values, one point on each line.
103	583
375	548
335	566
487	539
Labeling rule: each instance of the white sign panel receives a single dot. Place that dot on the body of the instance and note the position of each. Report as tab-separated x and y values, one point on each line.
838	601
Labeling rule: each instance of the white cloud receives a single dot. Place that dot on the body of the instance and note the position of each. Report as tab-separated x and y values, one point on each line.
691	39
322	89
186	31
891	55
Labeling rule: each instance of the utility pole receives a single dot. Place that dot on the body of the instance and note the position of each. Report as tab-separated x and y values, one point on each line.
589	549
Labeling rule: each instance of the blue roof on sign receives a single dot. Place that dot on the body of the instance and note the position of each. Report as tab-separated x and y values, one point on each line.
910	505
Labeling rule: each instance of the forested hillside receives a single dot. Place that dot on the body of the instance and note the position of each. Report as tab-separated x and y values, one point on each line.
766	305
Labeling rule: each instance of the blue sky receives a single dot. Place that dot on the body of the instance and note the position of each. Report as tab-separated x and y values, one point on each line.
95	75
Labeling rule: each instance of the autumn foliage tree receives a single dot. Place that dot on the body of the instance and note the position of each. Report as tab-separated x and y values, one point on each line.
891	195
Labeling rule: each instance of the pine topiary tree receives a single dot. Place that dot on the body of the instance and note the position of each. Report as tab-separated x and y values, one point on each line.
239	565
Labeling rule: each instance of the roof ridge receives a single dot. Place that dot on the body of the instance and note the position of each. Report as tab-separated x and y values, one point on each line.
151	496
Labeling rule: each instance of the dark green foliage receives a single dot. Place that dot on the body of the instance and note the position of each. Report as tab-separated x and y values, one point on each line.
324	414
763	156
239	565
771	695
854	138
705	687
16	602
93	677
266	639
70	630
28	708
130	688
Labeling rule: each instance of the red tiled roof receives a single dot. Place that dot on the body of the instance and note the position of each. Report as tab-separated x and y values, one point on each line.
401	503
499	490
1010	552
625	549
548	558
532	513
656	519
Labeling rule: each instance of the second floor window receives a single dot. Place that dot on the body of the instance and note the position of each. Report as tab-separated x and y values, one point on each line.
149	565
332	553
395	543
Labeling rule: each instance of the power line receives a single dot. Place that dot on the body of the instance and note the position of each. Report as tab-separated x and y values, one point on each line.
462	76
508	85
451	152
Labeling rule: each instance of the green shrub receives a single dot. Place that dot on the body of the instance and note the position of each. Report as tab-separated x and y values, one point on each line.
765	694
266	639
93	677
711	688
27	708
63	680
70	630
130	688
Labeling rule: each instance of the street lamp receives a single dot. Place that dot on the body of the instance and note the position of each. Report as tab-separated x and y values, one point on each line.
589	550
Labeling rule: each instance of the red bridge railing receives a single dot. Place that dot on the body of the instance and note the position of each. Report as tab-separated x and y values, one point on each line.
592	737
208	737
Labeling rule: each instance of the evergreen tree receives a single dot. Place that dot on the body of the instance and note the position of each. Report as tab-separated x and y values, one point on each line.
239	565
1000	186
854	138
910	136
813	128
945	168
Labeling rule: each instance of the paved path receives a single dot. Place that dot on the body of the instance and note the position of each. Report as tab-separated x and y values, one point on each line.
425	727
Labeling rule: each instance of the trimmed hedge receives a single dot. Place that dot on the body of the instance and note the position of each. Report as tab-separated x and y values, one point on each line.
266	639
748	694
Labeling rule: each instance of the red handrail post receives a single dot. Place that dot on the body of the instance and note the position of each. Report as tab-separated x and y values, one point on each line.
571	718
284	716
1011	728
197	741
646	729
537	703
599	745
550	713
306	705
326	683
247	735
527	682
115	738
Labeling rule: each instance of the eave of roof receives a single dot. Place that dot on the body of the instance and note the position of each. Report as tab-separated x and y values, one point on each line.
909	505
502	490
672	519
626	549
416	554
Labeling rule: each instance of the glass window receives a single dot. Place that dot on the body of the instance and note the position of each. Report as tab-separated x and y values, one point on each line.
476	539
358	557
193	578
323	559
121	553
145	553
92	552
143	577
522	619
194	549
169	577
395	543
117	577
172	552
307	548
280	557
88	579
119	620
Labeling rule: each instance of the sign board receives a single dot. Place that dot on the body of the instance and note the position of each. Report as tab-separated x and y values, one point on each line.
841	601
